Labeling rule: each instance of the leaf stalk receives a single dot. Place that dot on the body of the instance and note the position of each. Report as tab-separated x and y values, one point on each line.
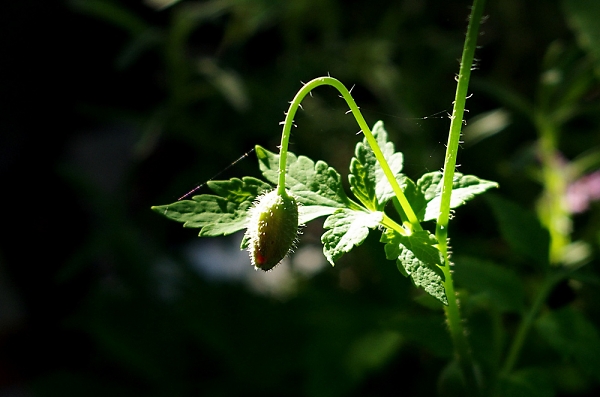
287	127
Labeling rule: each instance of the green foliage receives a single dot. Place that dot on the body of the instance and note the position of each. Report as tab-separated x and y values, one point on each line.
367	181
318	188
418	258
219	215
347	229
138	306
427	192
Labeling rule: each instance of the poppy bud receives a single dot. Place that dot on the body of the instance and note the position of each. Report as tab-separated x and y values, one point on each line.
272	229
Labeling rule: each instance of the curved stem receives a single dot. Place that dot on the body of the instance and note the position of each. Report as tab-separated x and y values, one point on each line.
287	127
457	332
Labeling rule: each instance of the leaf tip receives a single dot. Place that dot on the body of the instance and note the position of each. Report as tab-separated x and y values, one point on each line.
260	151
160	209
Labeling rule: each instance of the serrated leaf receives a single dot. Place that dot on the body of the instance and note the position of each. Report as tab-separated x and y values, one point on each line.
367	180
415	197
307	213
347	229
417	257
464	188
239	190
574	337
221	214
312	184
521	229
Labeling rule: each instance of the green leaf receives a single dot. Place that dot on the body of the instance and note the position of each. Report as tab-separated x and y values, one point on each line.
464	188
307	213
313	184
522	230
415	197
221	214
239	191
347	229
418	258
499	285
367	180
574	337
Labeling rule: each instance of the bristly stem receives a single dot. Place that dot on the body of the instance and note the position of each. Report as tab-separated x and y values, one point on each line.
287	127
457	332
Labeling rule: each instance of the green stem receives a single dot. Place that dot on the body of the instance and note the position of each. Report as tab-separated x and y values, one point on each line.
457	116
287	127
462	349
391	224
461	344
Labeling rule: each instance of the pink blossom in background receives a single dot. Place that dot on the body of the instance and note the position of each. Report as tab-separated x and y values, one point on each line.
583	191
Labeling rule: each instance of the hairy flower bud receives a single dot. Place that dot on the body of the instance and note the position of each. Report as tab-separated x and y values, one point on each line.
272	229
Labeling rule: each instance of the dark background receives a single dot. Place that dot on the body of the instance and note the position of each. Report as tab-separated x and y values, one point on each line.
109	108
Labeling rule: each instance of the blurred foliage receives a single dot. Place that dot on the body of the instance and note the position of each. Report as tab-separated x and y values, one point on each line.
112	106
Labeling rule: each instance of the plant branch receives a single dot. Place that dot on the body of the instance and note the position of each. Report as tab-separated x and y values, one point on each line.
457	332
287	126
457	116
